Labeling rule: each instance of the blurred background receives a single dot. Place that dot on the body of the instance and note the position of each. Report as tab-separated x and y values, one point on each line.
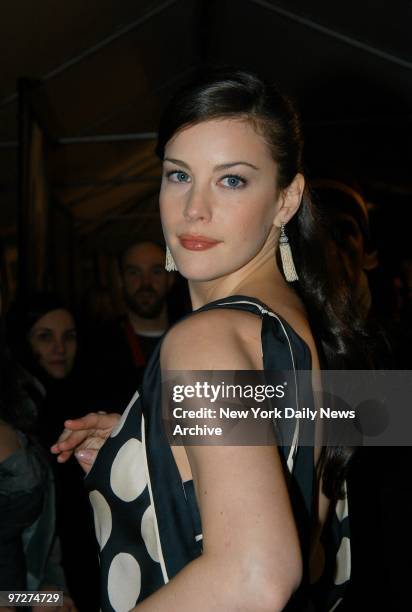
83	84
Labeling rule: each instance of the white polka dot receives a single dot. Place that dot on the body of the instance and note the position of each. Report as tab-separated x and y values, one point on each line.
149	533
102	517
124	582
127	476
342	510
124	416
343	562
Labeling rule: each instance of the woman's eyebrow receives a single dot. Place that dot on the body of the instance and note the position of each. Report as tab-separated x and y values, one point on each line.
180	162
236	163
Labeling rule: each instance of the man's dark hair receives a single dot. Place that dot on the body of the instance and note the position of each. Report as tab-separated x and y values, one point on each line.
122	255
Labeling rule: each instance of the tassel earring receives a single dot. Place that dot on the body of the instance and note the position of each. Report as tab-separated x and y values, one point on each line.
286	256
170	265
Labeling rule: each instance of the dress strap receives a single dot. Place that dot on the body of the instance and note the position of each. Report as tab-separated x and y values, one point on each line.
239	302
289	336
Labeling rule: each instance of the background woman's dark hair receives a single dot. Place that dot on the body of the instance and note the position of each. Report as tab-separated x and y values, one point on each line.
14	406
340	332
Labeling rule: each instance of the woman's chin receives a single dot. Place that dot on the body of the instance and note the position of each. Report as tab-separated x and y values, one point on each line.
57	372
199	274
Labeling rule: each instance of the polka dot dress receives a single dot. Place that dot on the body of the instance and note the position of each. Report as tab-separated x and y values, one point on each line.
147	520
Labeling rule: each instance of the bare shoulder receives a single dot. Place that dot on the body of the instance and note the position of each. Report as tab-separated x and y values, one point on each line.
219	339
9	441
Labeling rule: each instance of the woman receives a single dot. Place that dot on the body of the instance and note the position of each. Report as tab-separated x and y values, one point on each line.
43	336
28	543
225	527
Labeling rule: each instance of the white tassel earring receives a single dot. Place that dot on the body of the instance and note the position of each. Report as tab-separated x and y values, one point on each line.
170	265
286	256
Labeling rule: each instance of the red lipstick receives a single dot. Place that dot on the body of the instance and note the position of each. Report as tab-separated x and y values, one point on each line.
197	243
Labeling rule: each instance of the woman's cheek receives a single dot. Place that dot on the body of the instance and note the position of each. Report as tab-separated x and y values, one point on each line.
166	214
251	229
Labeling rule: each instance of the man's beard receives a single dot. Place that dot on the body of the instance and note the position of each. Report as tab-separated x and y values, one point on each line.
145	303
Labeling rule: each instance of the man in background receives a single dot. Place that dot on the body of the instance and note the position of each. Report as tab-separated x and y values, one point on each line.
145	285
120	351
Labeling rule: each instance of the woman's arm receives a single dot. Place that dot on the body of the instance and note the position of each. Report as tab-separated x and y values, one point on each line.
251	556
9	441
21	502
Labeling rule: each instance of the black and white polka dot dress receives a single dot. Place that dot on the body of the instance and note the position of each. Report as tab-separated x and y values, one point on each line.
147	520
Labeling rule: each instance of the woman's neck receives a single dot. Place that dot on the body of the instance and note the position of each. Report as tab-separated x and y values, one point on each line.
255	279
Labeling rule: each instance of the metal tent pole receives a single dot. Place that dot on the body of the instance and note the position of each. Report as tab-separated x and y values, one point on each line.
93	49
353	42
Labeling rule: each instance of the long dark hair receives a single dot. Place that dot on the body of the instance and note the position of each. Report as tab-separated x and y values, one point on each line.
339	330
15	408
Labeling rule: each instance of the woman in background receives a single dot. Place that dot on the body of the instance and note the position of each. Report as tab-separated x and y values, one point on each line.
29	549
43	335
43	338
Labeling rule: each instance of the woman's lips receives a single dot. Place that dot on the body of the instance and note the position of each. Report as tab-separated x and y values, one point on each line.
197	243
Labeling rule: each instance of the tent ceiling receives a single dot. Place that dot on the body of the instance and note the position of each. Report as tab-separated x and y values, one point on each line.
106	67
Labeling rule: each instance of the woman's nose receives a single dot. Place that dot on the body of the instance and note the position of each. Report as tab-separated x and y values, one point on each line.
59	346
197	206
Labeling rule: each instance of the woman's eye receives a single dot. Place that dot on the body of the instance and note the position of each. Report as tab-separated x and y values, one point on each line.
233	181
44	337
178	176
70	336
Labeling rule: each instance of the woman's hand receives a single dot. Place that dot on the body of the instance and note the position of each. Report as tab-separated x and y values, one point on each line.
84	437
68	604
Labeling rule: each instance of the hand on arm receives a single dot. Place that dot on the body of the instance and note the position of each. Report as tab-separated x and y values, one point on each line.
84	437
251	556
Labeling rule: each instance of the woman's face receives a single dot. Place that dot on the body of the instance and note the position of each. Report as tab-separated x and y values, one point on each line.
218	197
54	343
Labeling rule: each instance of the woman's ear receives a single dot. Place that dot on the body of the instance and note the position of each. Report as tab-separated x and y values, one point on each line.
289	201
